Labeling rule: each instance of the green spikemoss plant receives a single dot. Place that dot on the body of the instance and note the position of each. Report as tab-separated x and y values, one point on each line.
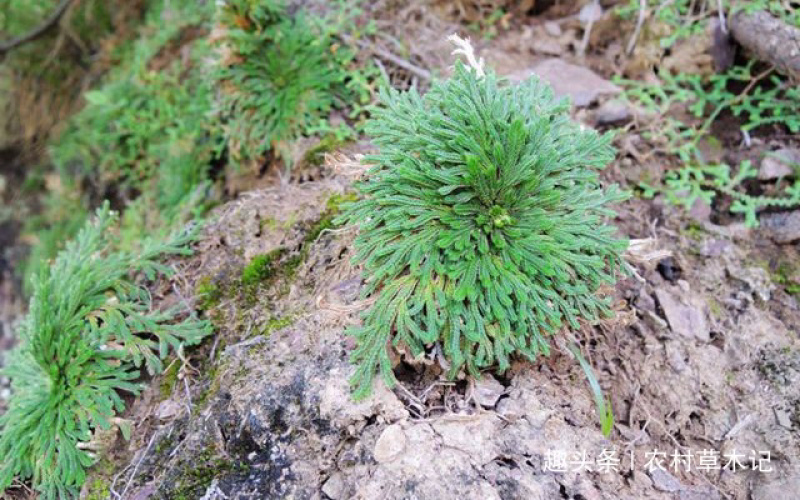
481	224
284	78
89	330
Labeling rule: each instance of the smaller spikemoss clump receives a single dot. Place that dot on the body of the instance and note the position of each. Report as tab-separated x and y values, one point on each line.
284	76
481	227
90	329
144	138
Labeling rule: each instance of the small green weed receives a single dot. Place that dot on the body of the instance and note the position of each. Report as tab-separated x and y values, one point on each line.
706	99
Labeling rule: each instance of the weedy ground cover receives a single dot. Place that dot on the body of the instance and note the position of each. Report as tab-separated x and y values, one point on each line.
758	98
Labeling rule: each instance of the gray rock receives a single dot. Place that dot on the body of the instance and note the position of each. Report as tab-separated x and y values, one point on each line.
676	357
664	481
580	84
685	313
612	111
590	13
782	227
552	28
756	279
782	417
777	489
334	487
547	46
715	247
390	444
487	391
778	164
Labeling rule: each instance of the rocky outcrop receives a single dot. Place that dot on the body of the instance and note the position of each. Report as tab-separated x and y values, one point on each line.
267	412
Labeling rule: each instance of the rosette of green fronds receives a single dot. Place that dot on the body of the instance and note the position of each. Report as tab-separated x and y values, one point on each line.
283	78
481	224
89	330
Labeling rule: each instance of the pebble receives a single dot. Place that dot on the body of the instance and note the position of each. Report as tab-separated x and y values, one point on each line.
552	28
664	481
488	391
334	486
612	111
582	85
390	444
778	164
685	314
783	227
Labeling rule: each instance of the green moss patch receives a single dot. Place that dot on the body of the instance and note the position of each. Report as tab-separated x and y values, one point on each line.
207	293
261	267
203	469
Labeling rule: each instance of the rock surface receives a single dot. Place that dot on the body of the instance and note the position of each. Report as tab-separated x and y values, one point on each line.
272	415
778	164
582	85
685	312
783	227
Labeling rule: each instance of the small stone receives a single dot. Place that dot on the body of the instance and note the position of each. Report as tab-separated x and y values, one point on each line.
645	302
664	481
547	46
714	247
334	486
552	29
782	227
510	409
346	292
590	13
390	445
782	416
676	357
778	164
580	84
168	409
756	279
488	391
612	111
685	314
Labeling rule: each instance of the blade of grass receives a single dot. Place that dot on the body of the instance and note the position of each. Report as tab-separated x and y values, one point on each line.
603	405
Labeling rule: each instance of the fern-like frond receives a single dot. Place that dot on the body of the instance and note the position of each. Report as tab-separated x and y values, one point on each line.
89	328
